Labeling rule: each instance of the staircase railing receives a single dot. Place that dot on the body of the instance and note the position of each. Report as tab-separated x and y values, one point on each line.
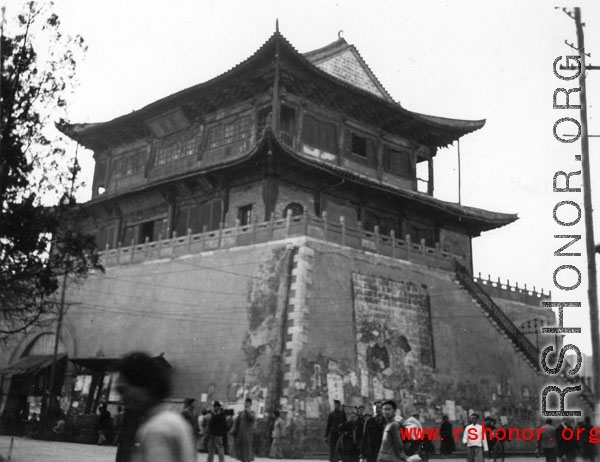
586	394
498	317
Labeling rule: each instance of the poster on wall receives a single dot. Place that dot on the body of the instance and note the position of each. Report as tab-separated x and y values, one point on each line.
393	334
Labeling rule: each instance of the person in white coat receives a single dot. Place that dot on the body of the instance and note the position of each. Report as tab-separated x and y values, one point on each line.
474	440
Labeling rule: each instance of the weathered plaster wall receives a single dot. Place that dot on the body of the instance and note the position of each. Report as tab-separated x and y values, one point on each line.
214	316
472	365
308	322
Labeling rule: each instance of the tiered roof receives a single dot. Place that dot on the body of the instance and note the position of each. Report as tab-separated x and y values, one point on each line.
299	74
318	76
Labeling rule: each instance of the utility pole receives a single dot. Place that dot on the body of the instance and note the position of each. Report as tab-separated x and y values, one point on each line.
459	173
589	225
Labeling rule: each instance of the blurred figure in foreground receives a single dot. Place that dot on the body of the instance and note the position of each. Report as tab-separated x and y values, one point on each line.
163	435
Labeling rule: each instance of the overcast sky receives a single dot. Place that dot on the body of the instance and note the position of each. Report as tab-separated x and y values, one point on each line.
468	60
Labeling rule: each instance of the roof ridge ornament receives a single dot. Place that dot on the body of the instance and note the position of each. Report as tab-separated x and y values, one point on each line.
341	34
277	25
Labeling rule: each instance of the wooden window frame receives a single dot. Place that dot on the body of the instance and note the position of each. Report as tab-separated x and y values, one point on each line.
318	138
403	167
228	131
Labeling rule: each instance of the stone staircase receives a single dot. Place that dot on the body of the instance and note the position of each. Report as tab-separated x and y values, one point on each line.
497	317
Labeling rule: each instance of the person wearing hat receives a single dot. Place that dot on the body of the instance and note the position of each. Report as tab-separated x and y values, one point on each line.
415	444
217	431
474	440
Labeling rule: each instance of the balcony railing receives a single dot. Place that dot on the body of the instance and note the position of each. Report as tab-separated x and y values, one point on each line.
273	230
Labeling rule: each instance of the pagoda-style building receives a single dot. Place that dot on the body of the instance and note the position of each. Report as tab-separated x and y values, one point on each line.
273	233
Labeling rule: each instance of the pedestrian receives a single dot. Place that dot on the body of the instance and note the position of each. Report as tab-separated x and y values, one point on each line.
230	439
414	445
203	421
117	423
59	430
33	426
547	442
278	435
566	444
447	446
360	425
243	431
348	447
126	436
392	447
424	446
189	414
217	432
104	425
372	434
334	420
163	435
586	447
490	423
474	440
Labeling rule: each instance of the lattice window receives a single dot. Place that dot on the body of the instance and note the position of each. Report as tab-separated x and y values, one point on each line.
229	132
176	149
129	163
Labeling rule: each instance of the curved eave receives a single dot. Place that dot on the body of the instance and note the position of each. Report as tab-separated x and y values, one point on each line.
95	135
475	219
452	128
91	134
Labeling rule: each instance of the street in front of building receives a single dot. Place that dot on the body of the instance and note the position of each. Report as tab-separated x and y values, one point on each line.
27	450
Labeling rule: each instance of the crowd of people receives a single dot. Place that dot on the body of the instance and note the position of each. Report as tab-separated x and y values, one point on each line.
374	438
354	436
560	443
146	430
149	432
218	431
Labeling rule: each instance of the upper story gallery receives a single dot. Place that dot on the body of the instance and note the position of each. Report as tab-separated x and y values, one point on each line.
312	134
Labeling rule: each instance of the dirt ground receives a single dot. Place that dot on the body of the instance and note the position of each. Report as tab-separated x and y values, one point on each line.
27	450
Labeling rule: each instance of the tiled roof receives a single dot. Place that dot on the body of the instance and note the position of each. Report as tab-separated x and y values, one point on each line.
345	62
255	74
